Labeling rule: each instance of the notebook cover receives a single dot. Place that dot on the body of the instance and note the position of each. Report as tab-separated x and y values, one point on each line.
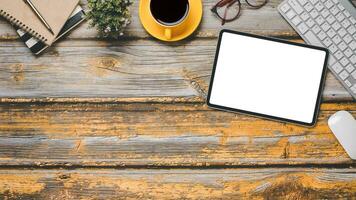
55	12
36	46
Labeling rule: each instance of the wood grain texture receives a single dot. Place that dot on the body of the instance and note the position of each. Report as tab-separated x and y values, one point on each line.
266	21
117	69
142	134
274	183
105	109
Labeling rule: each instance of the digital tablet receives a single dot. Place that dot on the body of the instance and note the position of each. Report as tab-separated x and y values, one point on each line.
267	77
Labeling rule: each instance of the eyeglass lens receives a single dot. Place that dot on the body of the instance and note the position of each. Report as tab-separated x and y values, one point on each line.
256	3
229	12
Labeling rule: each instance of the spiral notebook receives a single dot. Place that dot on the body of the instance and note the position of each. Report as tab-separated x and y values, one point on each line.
55	12
36	46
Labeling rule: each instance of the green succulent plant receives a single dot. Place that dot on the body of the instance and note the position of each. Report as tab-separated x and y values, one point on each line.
110	17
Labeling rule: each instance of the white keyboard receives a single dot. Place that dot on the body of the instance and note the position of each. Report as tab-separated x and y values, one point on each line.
330	24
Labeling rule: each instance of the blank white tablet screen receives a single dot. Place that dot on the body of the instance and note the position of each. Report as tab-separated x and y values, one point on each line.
267	77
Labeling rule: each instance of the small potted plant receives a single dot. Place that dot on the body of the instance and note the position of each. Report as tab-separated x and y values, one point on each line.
110	17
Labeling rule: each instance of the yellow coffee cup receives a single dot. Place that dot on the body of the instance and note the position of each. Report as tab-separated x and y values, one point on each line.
170	20
169	14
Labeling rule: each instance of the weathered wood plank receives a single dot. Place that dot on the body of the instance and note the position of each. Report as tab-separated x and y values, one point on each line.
121	69
275	183
263	21
266	21
159	135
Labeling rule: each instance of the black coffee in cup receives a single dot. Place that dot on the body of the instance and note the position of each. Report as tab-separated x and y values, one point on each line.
169	12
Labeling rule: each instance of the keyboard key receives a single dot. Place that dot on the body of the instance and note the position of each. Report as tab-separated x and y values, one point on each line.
340	17
308	7
348	38
336	39
314	13
353	59
314	1
303	2
346	13
304	16
343	75
354	74
310	23
337	68
330	19
338	55
327	42
353	89
348	52
316	29
331	33
350	68
320	20
325	13
334	10
290	14
344	61
296	20
348	83
353	45
302	28
333	48
295	5
342	46
352	20
345	23
341	32
319	6
351	29
340	7
328	4
309	36
325	26
336	26
285	7
321	35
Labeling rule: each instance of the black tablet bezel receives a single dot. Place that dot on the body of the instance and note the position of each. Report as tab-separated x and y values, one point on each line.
321	84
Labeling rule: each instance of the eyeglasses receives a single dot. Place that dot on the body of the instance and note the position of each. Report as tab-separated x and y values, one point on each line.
229	10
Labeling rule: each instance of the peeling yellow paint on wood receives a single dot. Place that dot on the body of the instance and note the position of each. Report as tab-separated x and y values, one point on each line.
196	184
119	132
17	184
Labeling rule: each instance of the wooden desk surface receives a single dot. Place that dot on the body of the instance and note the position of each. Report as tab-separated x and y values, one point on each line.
126	119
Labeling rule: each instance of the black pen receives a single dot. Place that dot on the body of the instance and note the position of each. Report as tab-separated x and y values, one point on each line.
38	15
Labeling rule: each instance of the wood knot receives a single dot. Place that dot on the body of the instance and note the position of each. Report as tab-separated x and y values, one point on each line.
64	176
18	73
101	66
109	63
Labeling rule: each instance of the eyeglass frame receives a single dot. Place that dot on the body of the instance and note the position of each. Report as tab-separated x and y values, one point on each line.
230	3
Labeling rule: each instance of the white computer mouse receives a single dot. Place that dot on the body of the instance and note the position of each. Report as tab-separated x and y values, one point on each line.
343	125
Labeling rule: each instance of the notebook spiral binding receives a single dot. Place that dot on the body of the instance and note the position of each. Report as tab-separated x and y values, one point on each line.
21	25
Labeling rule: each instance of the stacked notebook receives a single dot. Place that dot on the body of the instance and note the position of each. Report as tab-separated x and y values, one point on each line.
62	16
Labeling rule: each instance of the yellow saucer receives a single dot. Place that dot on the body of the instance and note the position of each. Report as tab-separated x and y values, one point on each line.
177	32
